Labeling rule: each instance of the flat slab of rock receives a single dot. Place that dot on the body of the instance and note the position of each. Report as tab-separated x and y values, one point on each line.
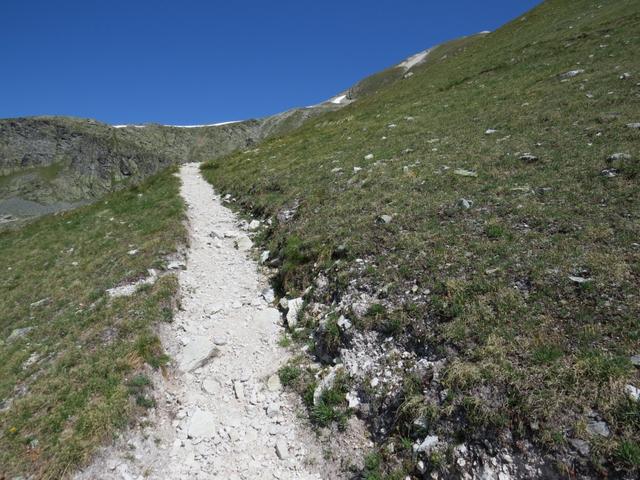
197	354
202	424
268	315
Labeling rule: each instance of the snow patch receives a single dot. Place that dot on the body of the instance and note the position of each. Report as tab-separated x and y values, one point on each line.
181	126
414	60
207	125
338	100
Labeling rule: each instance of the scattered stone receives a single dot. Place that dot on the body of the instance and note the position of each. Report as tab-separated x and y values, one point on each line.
633	392
264	256
528	158
343	323
238	389
428	444
327	383
369	156
201	424
572	73
490	131
625	76
635	360
465	173
580	445
385	219
579	279
268	294
131	288
282	450
421	467
176	265
197	354
295	306
210	385
133	252
352	399
610	172
466	204
598	428
272	410
254	224
634	125
618	157
273	383
244	243
40	303
356	169
18	333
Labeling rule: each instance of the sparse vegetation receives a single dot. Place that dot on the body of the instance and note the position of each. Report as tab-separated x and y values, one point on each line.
75	373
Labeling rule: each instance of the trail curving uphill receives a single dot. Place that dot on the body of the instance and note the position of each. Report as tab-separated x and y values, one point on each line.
221	414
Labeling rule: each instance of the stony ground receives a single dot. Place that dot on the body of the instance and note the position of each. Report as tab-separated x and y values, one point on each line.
220	411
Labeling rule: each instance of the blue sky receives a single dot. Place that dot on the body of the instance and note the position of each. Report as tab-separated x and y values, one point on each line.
193	62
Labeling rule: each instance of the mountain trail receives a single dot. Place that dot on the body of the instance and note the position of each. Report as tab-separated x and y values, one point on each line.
221	412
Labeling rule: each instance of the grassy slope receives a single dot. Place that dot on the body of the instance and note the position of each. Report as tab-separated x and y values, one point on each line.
68	383
527	347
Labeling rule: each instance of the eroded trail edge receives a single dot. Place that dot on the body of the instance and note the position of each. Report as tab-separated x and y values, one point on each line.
221	412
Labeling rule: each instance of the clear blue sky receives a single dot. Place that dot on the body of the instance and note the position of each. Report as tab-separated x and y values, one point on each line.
192	62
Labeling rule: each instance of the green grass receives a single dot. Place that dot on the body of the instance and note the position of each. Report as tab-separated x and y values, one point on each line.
531	347
77	375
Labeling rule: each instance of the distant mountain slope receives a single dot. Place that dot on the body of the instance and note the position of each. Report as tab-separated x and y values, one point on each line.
465	240
49	164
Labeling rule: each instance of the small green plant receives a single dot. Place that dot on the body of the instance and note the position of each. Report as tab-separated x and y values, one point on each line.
628	453
289	374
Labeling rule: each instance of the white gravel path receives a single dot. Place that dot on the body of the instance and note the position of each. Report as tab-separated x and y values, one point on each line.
228	419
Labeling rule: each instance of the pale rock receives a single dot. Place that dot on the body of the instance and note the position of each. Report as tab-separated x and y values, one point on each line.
201	424
598	428
343	323
197	354
273	383
327	383
572	73
254	224
281	449
466	204
269	295
633	392
428	444
244	243
295	306
238	389
465	173
577	279
352	399
267	315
